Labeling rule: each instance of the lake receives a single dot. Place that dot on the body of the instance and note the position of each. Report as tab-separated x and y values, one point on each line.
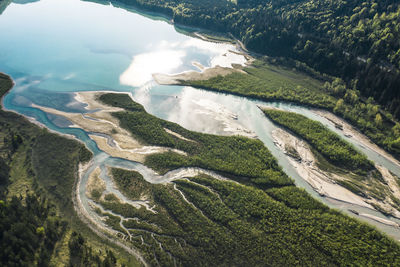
55	48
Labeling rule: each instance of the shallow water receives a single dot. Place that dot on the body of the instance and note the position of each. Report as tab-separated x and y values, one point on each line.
51	53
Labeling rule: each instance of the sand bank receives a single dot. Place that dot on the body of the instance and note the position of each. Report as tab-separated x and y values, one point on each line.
207	73
178	135
379	219
99	228
137	154
320	181
95	185
105	129
326	183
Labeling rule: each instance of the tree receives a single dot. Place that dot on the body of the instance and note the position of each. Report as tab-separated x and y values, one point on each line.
378	119
4	172
339	106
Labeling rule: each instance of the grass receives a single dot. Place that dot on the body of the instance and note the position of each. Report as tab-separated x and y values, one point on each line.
268	82
20	181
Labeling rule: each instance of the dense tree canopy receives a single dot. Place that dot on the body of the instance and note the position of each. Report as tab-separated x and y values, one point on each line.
261	219
358	41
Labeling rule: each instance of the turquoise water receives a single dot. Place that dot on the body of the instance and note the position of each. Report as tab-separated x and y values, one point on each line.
54	48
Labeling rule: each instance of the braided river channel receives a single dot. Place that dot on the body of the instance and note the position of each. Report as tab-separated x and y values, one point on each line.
54	49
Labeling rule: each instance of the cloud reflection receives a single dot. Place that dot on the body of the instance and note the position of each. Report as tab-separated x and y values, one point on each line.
223	54
203	112
144	65
170	58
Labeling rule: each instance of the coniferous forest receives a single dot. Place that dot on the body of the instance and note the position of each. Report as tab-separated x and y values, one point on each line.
357	41
242	209
38	225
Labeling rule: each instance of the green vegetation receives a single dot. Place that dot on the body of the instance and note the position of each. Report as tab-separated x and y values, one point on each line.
226	223
271	83
130	183
28	232
296	198
292	152
366	115
82	255
203	221
5	84
330	145
240	158
37	218
334	155
354	40
54	169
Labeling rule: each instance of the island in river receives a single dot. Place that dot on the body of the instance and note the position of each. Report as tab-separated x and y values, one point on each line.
162	194
172	207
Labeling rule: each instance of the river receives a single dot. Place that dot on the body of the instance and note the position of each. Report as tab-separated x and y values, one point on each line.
55	48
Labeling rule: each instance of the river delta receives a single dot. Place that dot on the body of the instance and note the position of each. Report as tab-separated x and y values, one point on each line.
69	63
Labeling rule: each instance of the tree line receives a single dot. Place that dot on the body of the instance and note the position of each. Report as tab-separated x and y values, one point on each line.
357	41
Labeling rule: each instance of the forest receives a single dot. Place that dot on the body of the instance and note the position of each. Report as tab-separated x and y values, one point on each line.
329	144
235	156
38	224
204	221
258	218
268	80
335	155
226	223
356	41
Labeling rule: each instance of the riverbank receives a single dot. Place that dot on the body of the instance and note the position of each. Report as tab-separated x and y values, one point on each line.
307	168
339	185
204	74
105	129
100	230
45	166
352	132
266	81
217	68
117	142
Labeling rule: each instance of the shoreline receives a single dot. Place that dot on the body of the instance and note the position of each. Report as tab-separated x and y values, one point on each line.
184	79
350	130
319	180
96	227
33	120
105	130
134	151
205	73
82	167
325	183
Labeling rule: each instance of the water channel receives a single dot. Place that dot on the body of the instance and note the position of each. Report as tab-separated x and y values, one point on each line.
55	48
